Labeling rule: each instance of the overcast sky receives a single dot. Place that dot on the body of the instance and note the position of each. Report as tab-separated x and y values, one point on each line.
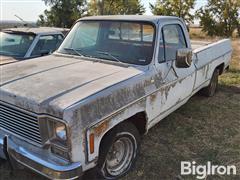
29	10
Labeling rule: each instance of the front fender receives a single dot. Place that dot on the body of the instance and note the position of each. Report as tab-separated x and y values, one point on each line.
97	131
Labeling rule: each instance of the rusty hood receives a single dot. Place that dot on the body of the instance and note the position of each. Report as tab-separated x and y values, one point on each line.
49	84
6	60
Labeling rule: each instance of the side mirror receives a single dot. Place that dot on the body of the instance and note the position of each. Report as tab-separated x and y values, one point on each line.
184	58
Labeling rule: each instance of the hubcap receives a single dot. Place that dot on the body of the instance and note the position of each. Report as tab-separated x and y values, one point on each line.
119	156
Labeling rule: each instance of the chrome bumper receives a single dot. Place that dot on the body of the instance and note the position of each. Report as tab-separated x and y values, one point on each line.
37	159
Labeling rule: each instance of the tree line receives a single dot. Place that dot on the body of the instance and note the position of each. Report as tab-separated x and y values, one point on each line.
217	17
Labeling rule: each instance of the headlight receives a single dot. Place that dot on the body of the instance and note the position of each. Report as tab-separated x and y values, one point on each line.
61	131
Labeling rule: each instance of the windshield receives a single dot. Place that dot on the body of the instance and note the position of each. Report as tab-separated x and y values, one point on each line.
127	42
15	45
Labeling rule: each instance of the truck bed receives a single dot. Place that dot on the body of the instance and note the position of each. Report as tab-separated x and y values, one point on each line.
207	56
198	43
206	52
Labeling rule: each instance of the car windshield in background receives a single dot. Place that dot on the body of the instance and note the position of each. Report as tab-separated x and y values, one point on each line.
15	45
127	42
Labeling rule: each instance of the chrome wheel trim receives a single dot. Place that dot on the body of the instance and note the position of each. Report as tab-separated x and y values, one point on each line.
120	155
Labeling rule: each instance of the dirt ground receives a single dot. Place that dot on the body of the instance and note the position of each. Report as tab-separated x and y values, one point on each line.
204	129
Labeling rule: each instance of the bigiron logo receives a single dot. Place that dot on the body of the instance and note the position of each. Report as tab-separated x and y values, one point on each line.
202	171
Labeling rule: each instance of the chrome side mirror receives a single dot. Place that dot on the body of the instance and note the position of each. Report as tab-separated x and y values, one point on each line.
184	58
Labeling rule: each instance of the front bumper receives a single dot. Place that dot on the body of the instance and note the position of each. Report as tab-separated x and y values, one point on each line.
37	159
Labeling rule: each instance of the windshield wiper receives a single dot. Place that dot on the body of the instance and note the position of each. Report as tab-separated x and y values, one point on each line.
110	55
75	50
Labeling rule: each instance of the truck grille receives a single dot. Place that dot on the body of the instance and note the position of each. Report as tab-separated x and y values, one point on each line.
20	123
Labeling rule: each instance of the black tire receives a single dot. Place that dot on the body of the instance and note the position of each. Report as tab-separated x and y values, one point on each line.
211	89
122	132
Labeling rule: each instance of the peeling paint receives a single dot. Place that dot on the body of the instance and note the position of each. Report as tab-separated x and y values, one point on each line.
101	128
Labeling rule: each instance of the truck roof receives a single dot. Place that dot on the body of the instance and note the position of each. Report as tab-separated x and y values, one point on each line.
152	19
37	30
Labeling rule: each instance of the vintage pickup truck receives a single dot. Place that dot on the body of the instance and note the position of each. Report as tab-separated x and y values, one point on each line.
112	79
17	44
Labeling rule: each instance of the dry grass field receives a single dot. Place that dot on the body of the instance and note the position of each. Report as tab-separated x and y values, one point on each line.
204	129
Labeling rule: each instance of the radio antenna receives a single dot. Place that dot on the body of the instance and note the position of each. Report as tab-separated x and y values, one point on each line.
25	22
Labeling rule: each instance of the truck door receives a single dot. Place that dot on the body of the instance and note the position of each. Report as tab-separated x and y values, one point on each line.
176	84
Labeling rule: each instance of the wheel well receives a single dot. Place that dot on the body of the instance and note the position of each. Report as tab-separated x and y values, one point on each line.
220	68
140	122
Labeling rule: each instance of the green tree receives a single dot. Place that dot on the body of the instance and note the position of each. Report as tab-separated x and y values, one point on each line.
220	17
62	13
238	19
113	7
180	8
238	28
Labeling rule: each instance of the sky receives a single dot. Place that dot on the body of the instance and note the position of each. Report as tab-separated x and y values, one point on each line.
29	10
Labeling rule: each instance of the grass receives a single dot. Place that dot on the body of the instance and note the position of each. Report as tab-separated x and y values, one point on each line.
204	129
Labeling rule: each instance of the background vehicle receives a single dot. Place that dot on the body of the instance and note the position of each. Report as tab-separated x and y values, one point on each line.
111	80
24	43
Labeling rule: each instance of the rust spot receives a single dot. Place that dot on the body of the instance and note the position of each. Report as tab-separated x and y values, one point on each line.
167	88
109	102
100	129
153	97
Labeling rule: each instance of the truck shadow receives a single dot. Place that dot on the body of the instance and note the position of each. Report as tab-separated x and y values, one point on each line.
230	89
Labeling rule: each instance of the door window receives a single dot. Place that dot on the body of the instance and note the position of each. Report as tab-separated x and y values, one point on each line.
173	39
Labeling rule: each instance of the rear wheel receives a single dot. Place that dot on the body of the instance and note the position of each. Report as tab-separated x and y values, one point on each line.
211	89
119	150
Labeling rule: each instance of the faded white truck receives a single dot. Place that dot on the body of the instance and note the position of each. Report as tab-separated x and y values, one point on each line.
112	79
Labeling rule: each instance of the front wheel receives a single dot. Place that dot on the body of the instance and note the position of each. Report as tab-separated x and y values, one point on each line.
211	89
118	151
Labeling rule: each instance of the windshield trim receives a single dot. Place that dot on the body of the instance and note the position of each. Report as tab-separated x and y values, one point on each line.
120	20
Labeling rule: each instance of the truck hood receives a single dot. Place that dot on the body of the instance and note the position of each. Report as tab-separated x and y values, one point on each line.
6	60
52	83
